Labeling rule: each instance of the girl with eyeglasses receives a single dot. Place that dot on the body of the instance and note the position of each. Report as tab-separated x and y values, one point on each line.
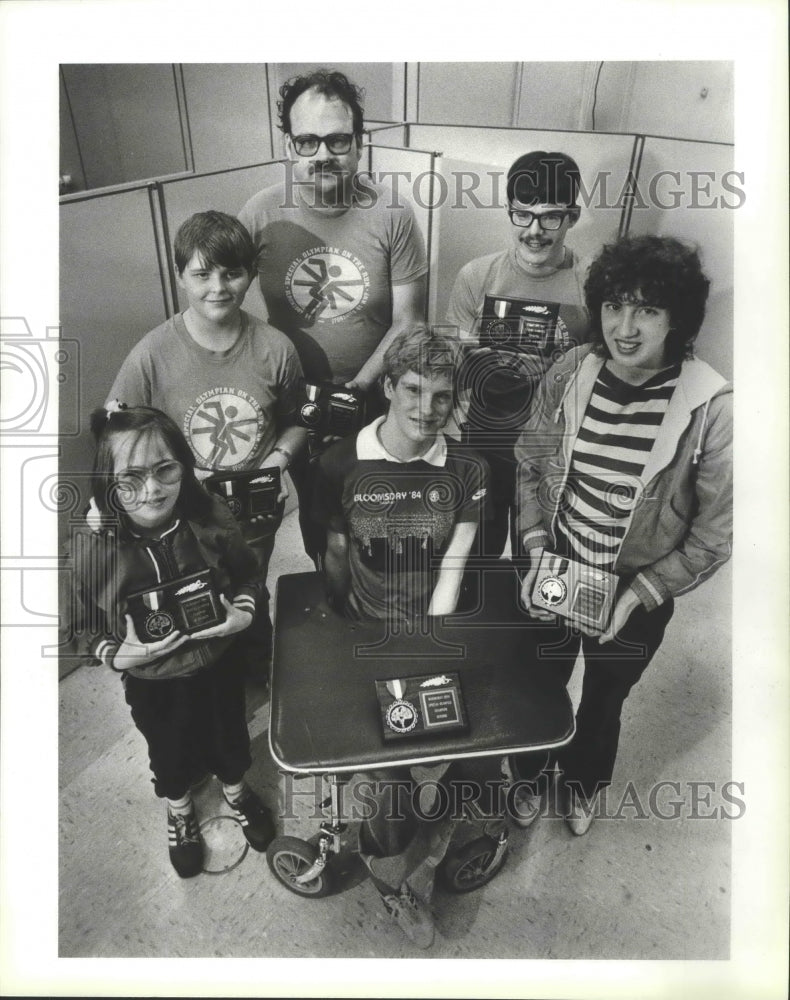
186	692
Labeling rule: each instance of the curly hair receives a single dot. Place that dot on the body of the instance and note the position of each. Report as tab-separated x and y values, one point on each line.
659	271
332	84
145	421
427	352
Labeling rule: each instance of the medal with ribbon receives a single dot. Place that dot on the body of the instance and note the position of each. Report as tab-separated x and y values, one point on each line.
159	623
401	716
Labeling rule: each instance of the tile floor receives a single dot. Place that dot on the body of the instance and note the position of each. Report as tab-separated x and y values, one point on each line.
639	887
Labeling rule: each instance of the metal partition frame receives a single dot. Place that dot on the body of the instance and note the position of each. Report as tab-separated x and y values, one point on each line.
380	133
413	165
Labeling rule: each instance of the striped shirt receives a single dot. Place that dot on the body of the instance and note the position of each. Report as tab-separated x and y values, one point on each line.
609	456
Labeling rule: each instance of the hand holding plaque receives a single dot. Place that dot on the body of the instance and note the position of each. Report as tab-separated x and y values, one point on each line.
582	594
525	325
249	494
331	411
133	652
236	620
188	604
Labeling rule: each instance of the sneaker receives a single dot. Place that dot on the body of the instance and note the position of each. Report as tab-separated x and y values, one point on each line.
184	844
255	819
526	808
411	915
581	813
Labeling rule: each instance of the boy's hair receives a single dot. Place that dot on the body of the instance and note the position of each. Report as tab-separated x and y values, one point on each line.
542	178
194	502
221	241
428	353
658	271
332	84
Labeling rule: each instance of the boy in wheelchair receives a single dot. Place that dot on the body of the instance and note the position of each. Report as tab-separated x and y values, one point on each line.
402	503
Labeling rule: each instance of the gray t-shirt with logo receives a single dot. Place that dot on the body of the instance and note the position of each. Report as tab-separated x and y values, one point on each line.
327	279
231	405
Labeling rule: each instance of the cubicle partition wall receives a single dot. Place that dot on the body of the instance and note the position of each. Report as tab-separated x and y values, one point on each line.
470	219
113	288
632	183
116	273
688	189
386	133
411	173
229	114
226	191
501	146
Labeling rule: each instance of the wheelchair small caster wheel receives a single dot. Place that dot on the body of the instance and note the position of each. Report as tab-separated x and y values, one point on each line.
291	859
473	865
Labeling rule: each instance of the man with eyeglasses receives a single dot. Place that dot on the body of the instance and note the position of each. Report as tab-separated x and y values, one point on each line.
517	309
341	263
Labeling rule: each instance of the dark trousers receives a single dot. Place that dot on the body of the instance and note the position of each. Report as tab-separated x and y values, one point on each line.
192	725
610	671
390	828
302	472
493	534
407	828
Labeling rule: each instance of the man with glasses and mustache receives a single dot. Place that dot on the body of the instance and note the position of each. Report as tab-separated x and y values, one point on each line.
518	310
341	263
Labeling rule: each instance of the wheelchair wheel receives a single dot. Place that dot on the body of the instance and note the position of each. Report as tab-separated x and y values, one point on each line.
290	857
472	865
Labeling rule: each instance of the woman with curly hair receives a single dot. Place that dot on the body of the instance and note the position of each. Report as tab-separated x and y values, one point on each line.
625	467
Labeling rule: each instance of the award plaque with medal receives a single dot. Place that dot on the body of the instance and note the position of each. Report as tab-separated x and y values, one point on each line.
187	604
582	594
524	325
420	706
248	494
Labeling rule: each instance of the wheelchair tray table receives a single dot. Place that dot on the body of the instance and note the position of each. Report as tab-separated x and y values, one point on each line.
325	715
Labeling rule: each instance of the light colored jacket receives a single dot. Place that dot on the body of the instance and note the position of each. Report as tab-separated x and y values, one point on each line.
680	532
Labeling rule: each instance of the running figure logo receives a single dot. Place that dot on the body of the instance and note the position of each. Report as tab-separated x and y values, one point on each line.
224	428
324	284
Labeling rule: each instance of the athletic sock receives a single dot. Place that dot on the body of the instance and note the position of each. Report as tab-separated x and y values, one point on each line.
182	806
234	792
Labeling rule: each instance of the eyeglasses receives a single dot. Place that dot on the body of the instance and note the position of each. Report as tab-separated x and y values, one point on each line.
336	142
167	473
546	220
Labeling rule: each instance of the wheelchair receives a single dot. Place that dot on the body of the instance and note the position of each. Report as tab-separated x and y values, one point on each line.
326	717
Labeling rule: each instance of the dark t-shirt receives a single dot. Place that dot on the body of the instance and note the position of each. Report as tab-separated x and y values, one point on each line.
399	517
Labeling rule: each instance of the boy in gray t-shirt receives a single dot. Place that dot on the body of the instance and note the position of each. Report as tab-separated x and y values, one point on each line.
229	381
